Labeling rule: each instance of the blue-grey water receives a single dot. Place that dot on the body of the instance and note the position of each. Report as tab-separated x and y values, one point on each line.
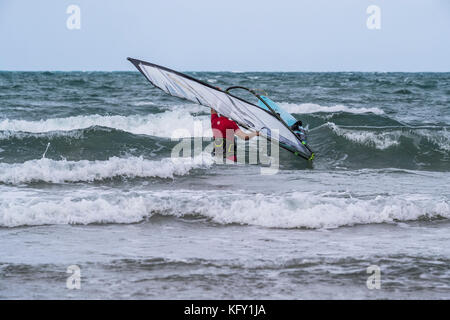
86	179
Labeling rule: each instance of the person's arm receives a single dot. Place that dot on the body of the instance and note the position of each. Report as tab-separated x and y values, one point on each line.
246	136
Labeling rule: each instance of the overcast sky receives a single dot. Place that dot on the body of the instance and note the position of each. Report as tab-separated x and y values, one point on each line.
226	35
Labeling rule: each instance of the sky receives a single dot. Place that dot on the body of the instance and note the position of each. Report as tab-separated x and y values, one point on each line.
231	35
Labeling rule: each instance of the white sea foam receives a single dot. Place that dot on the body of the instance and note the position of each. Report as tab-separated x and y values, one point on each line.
160	124
314	108
144	103
379	140
288	210
441	138
385	139
22	211
75	134
60	171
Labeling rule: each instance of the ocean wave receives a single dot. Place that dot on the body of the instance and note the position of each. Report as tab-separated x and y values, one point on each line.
384	138
442	139
178	123
74	134
403	91
289	210
314	108
379	140
144	103
53	171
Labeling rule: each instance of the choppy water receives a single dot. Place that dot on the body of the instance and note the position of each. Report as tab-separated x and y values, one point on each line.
86	179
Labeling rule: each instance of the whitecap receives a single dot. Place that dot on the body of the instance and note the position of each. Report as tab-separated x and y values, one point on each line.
60	171
314	108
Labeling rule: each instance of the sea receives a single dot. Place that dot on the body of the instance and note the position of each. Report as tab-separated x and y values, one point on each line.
93	204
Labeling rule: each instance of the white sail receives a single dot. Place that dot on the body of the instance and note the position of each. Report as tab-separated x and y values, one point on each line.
244	113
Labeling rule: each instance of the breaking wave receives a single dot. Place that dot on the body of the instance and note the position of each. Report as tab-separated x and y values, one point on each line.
53	171
289	210
315	108
159	124
178	120
383	138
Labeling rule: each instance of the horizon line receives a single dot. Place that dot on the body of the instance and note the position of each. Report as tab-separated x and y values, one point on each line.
235	71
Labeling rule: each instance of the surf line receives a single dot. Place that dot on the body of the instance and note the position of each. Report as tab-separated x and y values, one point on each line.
212	311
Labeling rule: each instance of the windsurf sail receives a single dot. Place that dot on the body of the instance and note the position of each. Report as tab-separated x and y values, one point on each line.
285	117
244	113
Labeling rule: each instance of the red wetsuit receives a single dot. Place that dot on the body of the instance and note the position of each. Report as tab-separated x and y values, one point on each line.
220	126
